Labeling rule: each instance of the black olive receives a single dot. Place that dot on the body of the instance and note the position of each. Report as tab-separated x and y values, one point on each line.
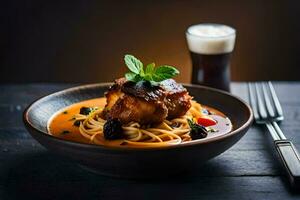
85	110
65	132
77	123
197	131
112	129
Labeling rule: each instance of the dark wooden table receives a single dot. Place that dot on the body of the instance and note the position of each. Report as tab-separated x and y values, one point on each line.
249	170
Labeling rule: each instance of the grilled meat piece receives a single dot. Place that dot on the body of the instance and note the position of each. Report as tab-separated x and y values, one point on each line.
144	103
177	104
177	100
144	90
132	109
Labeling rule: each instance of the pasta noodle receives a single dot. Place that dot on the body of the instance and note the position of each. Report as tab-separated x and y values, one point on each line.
169	132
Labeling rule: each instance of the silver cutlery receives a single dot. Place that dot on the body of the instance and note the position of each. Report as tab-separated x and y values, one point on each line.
267	110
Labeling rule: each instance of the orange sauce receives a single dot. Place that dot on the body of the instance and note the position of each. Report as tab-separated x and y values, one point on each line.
62	120
61	124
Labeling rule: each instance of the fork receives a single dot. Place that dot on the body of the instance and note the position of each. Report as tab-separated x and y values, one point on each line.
267	110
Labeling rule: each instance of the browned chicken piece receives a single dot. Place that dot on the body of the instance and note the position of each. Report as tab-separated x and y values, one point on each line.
177	100
131	102
113	94
144	103
132	109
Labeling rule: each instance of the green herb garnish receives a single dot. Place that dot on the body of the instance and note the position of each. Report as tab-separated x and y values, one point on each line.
87	110
197	131
211	130
65	132
150	73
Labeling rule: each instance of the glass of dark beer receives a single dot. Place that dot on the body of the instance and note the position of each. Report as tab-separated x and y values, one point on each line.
210	47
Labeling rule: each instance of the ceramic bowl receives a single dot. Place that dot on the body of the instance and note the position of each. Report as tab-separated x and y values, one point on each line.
137	162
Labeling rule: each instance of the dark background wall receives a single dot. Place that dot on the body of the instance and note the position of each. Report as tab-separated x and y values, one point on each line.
85	41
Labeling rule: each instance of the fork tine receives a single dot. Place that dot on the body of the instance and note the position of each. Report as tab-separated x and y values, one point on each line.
275	100
279	131
253	101
272	131
261	108
268	101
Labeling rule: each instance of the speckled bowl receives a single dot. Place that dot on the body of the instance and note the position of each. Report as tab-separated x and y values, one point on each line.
133	162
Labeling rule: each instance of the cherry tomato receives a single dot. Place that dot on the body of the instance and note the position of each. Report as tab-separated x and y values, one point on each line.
206	121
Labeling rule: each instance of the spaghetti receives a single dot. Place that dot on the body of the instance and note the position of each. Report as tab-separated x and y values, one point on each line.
169	132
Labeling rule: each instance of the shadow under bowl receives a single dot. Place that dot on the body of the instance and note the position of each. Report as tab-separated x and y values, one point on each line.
137	162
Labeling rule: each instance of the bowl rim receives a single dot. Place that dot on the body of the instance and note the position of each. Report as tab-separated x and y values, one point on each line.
29	125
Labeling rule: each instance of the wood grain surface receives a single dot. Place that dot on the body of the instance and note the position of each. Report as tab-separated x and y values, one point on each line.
249	170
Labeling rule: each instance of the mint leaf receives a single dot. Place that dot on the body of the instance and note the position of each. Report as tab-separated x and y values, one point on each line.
150	68
164	72
130	76
133	64
153	83
138	78
166	69
150	73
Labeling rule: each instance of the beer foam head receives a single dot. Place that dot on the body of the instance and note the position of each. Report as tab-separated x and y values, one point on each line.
210	38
